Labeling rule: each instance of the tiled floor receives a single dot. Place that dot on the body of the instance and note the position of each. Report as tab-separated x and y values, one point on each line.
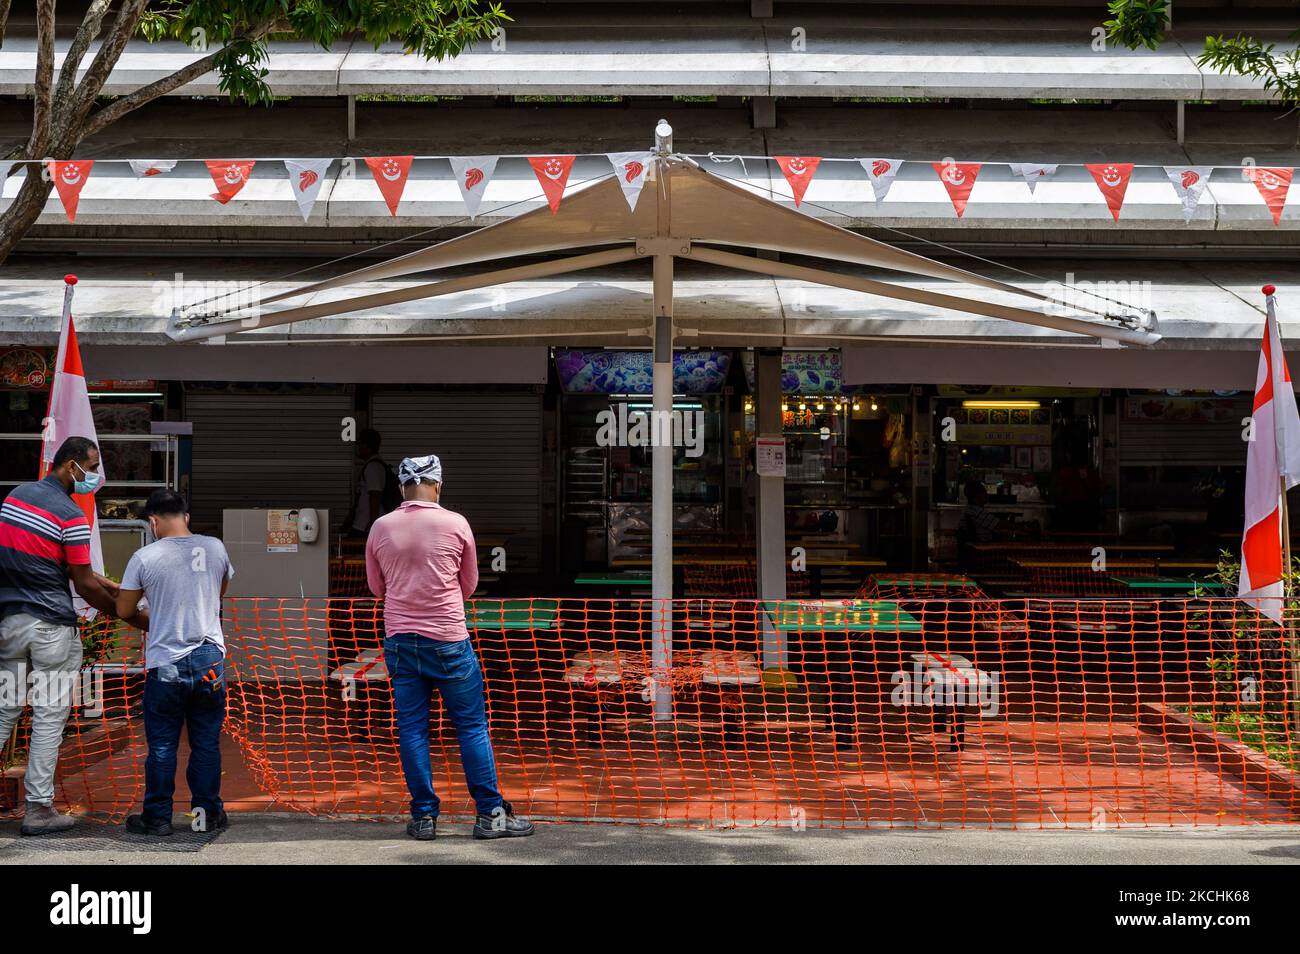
1023	773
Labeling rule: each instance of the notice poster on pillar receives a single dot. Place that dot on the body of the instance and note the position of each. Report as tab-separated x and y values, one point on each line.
282	531
769	456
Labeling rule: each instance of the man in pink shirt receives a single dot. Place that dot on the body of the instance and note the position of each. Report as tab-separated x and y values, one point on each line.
420	561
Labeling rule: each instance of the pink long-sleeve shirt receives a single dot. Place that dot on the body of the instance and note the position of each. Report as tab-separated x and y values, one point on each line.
421	561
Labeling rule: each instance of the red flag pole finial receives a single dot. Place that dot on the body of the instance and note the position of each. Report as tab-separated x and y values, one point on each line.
1268	289
72	280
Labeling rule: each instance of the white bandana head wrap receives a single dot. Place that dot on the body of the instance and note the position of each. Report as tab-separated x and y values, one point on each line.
425	470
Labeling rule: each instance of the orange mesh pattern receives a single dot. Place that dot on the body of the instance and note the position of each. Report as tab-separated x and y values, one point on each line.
965	712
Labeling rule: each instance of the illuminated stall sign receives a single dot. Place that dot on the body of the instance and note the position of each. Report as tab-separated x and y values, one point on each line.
632	372
26	368
806	372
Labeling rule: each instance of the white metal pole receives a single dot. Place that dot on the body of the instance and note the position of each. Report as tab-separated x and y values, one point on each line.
661	474
661	517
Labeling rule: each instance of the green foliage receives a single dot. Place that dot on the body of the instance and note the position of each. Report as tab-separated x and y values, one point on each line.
1263	732
1137	23
237	31
1141	23
1249	664
1246	56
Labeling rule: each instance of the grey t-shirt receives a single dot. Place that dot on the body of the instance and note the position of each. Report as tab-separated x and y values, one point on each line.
181	578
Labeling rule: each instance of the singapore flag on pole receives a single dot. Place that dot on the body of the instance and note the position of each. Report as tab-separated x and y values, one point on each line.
1272	466
70	416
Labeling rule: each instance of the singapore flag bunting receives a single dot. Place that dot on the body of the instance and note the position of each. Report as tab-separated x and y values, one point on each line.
881	172
229	176
1272	465
306	176
631	169
390	174
553	174
798	171
472	174
1189	182
69	179
1112	179
958	178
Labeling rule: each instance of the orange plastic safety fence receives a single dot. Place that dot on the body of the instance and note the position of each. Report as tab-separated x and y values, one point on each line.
960	712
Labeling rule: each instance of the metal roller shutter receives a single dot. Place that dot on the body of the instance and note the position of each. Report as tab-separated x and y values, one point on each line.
268	450
490	444
1209	443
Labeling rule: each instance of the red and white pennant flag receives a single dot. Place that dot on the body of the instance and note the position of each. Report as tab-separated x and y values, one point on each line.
472	175
306	176
881	172
69	415
1272	467
958	178
631	169
1112	179
151	167
229	176
553	174
391	173
798	171
69	179
1189	182
1033	172
1273	185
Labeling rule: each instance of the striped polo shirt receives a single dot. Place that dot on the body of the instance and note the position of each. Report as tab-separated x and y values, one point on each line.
42	532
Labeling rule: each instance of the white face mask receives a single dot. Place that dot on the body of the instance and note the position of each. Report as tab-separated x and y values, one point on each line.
89	483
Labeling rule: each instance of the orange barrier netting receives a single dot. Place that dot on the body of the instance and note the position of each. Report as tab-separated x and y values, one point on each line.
963	712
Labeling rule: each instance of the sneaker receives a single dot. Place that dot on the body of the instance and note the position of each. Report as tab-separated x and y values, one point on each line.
423	829
143	825
218	822
502	824
42	819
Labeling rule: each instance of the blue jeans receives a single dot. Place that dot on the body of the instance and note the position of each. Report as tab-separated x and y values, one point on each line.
191	692
416	666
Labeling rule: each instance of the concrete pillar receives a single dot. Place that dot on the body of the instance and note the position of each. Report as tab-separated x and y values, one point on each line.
770	505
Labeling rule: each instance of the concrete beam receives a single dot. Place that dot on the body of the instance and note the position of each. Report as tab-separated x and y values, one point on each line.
977	55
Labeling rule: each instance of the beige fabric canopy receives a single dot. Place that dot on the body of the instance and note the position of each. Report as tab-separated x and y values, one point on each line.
683	211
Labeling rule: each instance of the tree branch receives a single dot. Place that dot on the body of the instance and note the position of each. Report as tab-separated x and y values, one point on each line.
87	32
146	94
40	138
110	51
4	19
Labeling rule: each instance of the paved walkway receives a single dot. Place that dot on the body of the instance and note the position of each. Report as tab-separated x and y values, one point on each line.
278	838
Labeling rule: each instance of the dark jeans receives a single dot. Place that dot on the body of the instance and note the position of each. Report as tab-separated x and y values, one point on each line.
416	666
190	692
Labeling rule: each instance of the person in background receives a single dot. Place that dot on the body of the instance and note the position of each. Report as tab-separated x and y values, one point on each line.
977	524
372	479
44	541
421	561
1077	494
183	576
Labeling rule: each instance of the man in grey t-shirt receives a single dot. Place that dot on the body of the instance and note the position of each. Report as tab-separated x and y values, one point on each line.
183	576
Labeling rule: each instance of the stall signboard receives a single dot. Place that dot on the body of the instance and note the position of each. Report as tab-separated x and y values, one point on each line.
632	372
806	372
119	384
1011	391
24	369
769	456
1003	426
282	531
1154	408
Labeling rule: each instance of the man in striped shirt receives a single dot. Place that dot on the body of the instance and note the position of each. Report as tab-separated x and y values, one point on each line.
44	540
